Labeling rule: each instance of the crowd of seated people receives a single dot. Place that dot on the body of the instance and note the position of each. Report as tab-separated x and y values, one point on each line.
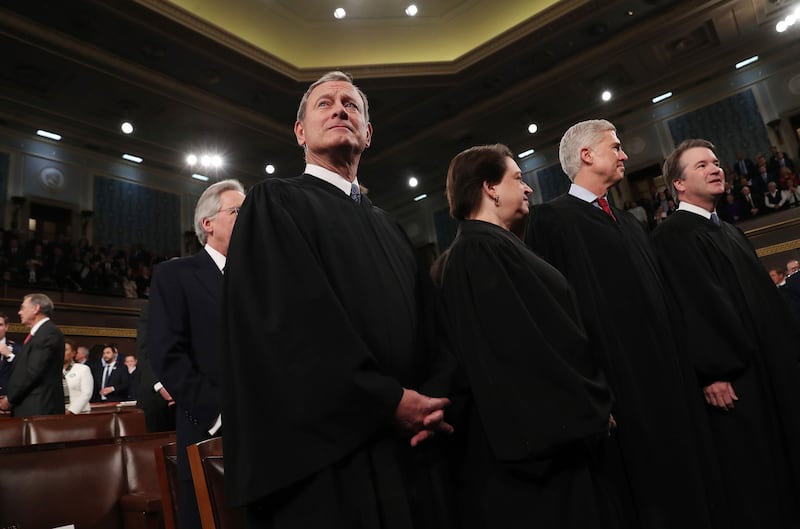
80	267
758	187
752	188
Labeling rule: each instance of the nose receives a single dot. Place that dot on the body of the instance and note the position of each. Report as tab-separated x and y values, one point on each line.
622	155
526	189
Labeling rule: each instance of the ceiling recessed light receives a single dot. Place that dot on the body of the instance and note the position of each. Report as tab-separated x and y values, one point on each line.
420	197
413	182
524	154
270	169
205	160
49	135
191	159
662	97
532	128
606	96
339	13
411	10
216	161
745	62
132	158
127	127
201	177
781	26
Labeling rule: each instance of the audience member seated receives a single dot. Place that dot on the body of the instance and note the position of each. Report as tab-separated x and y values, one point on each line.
731	210
762	179
753	204
773	198
78	382
744	166
777	160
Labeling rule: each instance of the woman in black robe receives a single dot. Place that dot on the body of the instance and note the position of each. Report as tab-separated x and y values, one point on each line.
532	409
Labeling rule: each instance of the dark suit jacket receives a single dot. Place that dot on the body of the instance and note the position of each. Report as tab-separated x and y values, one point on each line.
158	414
184	344
35	387
7	367
117	378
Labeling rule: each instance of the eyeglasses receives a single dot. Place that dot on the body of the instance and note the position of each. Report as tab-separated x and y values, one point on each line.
230	211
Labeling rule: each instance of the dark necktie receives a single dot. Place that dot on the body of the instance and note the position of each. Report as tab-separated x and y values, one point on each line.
603	203
106	372
715	218
355	193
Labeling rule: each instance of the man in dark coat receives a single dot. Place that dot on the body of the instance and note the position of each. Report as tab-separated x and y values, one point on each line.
184	332
654	457
741	340
151	396
111	379
35	387
323	330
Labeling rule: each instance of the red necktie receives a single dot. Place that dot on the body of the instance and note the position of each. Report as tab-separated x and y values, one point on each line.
27	339
605	207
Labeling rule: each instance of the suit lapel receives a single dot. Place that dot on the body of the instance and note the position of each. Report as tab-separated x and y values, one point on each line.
208	275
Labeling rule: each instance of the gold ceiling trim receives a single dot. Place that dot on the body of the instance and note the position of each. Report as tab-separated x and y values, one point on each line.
385	49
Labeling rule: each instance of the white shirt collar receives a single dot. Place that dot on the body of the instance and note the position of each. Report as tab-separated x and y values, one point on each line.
217	257
37	325
332	178
582	193
691	208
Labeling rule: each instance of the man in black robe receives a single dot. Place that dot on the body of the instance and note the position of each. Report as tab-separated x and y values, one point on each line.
322	325
741	341
604	253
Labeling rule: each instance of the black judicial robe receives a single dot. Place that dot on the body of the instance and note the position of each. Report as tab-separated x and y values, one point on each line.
322	332
737	328
538	406
655	454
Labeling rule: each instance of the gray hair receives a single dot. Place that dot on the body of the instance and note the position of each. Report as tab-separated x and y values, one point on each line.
328	77
44	302
583	134
209	203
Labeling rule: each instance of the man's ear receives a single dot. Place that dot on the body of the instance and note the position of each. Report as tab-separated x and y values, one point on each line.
587	156
300	133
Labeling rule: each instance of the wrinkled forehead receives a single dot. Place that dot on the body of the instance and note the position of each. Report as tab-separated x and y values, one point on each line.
332	88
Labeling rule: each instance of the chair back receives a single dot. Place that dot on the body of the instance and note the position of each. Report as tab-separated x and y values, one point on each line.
167	468
208	474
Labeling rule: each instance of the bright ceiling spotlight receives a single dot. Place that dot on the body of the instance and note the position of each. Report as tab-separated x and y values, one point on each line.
216	161
532	128
126	127
205	160
606	96
49	135
133	158
413	182
191	159
525	154
339	13
412	10
270	169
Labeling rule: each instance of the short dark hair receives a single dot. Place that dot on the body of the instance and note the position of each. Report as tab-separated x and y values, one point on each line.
673	170
72	345
4	317
467	173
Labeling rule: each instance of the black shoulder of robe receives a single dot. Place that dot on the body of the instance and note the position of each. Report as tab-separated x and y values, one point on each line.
320	332
512	323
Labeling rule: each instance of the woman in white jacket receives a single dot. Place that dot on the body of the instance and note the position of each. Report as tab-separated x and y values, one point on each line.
78	382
